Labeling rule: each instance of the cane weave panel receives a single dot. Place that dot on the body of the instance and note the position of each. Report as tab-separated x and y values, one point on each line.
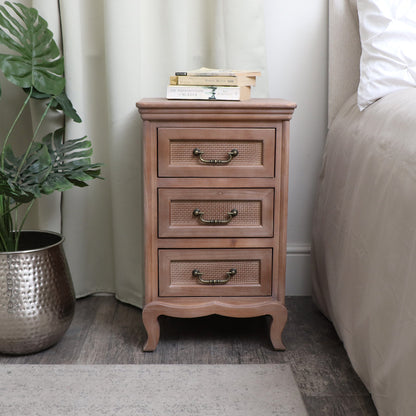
249	212
250	153
248	271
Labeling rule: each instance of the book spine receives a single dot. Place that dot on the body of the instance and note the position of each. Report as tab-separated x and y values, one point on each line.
220	81
205	93
206	73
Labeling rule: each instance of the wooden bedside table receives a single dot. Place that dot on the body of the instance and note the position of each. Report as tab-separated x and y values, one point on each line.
215	195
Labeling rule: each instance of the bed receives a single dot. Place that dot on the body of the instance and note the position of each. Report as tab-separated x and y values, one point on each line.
364	226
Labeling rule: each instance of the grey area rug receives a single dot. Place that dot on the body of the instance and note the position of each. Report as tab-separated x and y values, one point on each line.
149	390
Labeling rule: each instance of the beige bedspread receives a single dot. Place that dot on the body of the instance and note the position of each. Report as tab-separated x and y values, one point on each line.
364	245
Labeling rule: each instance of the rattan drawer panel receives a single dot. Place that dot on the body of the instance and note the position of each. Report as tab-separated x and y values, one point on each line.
252	277
255	158
254	216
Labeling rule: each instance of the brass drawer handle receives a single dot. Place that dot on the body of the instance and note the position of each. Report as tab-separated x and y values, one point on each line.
198	274
198	213
233	153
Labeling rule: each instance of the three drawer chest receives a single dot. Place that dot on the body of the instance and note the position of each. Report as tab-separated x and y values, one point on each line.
215	210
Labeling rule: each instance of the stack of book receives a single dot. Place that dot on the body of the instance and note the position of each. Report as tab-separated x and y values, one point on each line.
212	84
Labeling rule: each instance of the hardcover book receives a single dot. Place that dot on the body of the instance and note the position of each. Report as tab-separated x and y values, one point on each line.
211	72
238	80
200	92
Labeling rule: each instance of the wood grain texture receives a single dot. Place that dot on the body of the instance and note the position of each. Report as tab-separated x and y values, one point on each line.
177	183
231	307
255	146
253	272
254	217
261	109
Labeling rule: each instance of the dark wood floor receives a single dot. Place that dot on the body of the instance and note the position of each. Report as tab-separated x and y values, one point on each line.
105	331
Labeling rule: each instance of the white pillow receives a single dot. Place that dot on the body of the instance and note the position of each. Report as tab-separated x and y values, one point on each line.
388	42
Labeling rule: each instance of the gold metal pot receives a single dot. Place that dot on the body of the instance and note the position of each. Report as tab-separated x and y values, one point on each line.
37	299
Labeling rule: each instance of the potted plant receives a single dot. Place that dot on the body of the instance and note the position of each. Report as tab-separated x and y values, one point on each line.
36	293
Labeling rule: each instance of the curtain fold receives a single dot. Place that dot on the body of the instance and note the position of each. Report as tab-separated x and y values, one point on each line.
117	52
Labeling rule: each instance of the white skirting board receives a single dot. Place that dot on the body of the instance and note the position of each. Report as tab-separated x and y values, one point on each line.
298	270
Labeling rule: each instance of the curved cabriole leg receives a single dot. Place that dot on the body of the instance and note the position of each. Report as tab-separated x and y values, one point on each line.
153	310
151	324
278	321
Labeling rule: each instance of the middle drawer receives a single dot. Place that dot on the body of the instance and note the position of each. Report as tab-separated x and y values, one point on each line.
223	213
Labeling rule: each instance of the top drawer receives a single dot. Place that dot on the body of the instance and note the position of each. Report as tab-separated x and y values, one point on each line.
177	156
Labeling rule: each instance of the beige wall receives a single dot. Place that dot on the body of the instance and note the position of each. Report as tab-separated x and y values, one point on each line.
296	36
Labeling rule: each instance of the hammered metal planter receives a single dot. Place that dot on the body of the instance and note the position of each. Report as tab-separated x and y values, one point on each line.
37	297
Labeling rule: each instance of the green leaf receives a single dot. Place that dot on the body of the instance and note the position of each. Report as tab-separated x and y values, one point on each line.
63	103
36	94
37	61
71	163
21	179
53	165
60	102
56	183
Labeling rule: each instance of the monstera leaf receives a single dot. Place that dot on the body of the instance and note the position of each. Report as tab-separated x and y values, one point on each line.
37	62
59	102
70	163
21	177
36	65
52	165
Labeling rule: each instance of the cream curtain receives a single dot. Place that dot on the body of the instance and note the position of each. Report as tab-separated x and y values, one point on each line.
117	52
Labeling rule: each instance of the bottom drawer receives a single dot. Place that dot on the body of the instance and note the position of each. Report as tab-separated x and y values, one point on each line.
215	272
